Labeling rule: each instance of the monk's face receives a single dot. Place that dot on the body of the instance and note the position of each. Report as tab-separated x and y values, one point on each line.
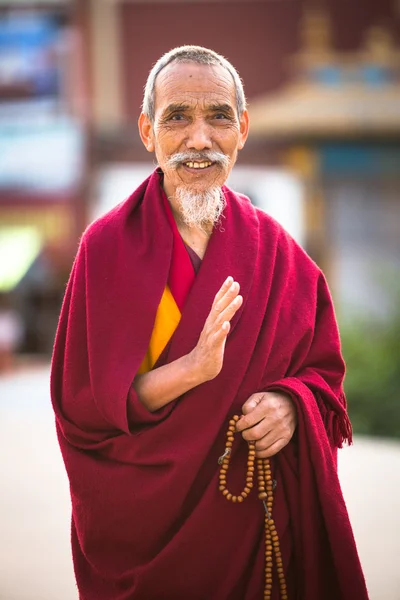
197	131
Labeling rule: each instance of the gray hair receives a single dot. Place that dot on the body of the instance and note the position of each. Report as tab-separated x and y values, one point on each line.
187	54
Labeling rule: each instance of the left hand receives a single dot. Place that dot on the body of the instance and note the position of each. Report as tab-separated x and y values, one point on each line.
269	419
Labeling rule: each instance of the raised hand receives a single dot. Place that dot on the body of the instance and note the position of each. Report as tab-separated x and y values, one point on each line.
208	355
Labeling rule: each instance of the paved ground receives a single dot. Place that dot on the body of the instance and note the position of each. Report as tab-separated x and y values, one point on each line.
35	561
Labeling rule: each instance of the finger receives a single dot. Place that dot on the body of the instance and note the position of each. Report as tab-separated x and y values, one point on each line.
218	341
223	289
230	310
257	432
227	290
215	320
273	449
252	402
221	334
229	295
267	440
252	418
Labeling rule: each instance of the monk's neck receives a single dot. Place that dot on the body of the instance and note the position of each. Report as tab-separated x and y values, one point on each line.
195	237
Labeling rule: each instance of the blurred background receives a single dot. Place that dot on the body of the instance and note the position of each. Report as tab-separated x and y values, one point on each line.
323	82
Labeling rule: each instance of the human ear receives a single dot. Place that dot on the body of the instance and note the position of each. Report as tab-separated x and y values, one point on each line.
244	129
146	132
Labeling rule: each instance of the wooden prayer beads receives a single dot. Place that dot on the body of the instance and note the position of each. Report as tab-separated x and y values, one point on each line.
265	493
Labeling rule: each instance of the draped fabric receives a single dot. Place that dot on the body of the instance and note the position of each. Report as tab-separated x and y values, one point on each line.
180	280
148	520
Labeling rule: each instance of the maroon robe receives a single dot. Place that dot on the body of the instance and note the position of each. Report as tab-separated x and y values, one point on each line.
148	520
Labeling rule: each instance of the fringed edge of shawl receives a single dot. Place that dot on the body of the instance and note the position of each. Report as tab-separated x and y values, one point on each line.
338	426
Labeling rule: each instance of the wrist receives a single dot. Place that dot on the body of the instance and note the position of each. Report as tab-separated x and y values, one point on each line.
192	370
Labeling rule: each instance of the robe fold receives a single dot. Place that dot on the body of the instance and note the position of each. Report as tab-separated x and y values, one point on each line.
148	520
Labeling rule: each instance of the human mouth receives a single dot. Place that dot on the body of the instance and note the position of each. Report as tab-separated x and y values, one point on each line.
198	165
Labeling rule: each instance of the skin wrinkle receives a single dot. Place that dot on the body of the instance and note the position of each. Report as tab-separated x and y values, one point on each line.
170	74
196	91
196	112
196	55
199	100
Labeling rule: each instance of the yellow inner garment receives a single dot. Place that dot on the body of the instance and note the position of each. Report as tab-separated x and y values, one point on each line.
167	320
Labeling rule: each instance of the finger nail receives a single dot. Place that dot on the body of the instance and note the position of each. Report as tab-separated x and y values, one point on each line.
229	280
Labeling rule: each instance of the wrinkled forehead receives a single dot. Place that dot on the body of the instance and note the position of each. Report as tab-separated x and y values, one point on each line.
194	84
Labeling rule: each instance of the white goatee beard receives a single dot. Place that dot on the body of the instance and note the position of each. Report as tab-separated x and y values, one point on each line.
200	208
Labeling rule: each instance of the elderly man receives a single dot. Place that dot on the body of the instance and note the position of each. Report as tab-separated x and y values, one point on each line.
197	348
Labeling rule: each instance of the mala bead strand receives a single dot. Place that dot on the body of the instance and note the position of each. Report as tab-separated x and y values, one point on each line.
224	462
265	494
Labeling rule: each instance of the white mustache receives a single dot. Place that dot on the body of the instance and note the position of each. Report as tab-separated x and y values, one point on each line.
213	156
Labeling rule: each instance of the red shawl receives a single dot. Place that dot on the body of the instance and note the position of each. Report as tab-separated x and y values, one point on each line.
148	520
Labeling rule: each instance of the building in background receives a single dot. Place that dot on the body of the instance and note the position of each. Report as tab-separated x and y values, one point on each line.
337	124
322	79
71	84
42	162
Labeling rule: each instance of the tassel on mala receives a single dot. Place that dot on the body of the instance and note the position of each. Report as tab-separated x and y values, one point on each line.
265	494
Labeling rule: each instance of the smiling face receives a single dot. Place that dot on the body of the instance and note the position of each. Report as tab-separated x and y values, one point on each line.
197	131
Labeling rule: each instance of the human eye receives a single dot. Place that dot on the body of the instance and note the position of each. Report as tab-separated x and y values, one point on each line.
177	117
176	114
222	116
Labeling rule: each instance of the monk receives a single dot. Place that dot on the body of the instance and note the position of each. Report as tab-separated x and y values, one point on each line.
197	377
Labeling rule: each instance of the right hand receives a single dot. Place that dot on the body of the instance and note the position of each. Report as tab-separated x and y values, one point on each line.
208	355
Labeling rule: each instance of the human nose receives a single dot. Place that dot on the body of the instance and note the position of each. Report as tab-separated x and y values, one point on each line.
199	136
